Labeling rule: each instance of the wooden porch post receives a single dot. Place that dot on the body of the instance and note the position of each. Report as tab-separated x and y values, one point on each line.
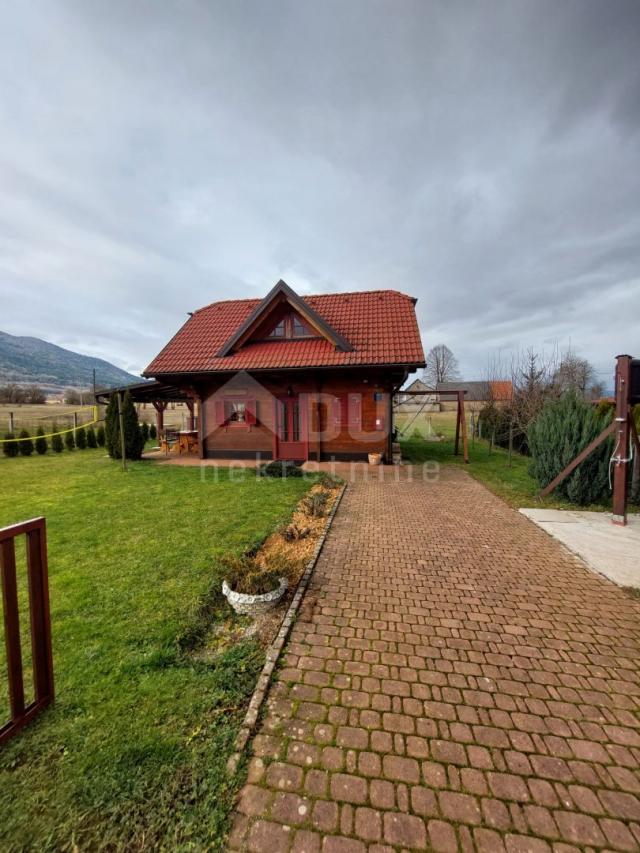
191	421
159	406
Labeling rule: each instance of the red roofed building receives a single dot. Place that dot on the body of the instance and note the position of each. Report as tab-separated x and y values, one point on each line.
291	377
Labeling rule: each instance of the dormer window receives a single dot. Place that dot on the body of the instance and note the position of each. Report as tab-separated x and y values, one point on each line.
290	327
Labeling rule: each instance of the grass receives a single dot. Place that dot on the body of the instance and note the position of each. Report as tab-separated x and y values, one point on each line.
511	482
132	755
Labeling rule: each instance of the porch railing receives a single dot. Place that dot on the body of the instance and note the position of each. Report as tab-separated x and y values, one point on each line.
38	588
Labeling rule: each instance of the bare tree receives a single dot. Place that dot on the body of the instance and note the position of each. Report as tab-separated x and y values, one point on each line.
574	374
442	366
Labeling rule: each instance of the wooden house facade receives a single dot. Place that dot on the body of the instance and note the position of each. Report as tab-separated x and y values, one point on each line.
291	377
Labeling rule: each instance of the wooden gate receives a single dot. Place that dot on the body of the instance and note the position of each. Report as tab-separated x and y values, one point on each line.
38	588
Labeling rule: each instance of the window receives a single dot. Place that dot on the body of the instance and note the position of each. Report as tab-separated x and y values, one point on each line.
291	327
235	411
278	331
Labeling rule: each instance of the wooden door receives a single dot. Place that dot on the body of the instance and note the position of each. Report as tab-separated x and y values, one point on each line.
292	432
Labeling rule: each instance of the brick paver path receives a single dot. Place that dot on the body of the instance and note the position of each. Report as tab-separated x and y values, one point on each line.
455	680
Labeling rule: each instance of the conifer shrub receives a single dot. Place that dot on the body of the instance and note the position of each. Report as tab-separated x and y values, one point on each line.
81	438
10	447
91	437
560	432
133	444
144	429
57	444
153	432
41	442
26	446
100	436
69	440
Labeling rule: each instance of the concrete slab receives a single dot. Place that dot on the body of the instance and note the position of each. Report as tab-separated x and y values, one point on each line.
611	550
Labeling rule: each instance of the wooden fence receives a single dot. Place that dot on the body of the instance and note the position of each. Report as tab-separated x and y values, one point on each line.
36	544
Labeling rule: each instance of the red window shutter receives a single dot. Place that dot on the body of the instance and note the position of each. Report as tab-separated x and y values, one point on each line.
250	412
219	412
355	411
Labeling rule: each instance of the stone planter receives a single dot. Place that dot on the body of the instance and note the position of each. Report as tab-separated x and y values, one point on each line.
254	605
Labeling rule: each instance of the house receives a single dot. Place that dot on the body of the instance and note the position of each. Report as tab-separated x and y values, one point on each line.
478	393
411	398
291	377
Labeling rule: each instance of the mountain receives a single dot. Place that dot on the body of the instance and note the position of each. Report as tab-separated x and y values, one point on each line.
27	361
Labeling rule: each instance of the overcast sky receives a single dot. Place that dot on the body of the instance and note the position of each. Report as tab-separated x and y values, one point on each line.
482	156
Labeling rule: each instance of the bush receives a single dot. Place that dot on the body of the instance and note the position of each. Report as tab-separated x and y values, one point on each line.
56	440
91	437
605	407
133	445
100	436
41	442
330	481
494	422
144	429
25	446
315	504
560	432
69	440
244	576
81	438
11	447
153	432
281	468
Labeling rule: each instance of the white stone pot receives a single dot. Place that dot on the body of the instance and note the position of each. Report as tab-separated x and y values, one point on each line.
254	605
375	458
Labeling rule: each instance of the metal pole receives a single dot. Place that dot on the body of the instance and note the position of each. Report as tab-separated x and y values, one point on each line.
622	435
123	449
75	420
11	422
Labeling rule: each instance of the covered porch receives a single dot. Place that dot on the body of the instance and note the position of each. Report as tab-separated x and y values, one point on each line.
177	436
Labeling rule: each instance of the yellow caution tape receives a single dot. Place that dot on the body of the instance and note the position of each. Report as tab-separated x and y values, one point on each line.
50	434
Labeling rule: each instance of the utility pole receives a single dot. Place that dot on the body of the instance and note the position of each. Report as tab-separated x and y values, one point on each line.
122	442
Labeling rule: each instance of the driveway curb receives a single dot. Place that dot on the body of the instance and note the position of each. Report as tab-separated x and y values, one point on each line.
273	653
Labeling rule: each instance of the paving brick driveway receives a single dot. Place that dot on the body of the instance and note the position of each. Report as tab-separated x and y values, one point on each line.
455	680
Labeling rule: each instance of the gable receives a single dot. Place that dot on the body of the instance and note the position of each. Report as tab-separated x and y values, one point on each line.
280	302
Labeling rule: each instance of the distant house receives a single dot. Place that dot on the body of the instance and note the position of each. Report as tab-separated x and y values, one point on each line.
412	402
478	393
292	377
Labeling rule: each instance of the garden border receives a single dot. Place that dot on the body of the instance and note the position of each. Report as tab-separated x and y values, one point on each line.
273	652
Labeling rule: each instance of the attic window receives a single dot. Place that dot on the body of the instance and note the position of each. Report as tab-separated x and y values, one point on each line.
290	327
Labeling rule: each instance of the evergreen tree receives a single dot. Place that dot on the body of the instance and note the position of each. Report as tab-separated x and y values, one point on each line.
56	440
100	436
560	432
41	442
26	446
69	441
10	448
132	436
153	432
145	431
81	438
112	428
91	437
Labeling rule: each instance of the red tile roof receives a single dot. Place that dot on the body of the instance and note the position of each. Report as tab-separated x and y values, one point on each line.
501	389
380	324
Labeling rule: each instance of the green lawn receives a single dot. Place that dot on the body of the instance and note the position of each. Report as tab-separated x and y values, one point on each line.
132	755
491	467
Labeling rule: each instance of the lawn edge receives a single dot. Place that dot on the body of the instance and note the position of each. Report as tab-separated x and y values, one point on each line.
273	652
